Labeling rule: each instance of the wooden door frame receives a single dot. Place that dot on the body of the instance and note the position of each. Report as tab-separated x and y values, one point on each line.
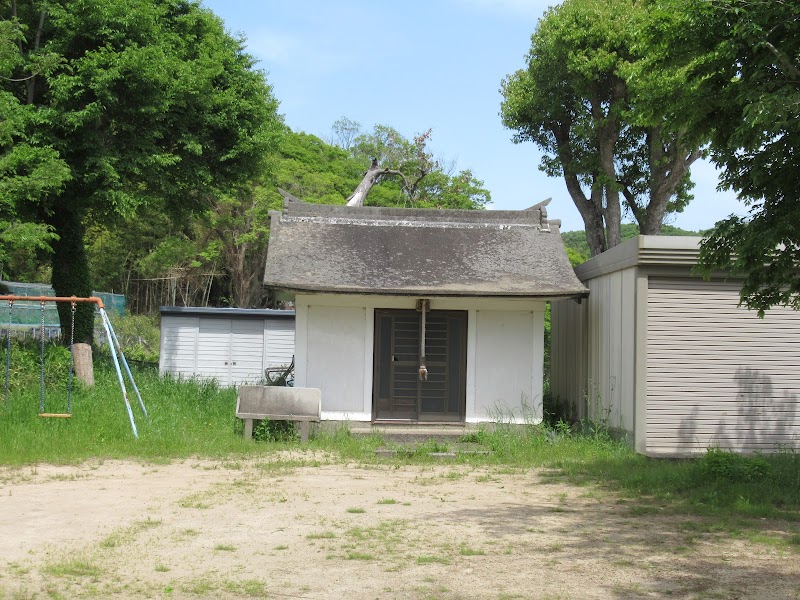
462	359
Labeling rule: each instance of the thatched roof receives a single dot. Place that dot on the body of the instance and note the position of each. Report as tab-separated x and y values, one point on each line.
418	252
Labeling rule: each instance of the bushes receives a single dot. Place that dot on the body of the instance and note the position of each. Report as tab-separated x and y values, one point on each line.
735	468
25	364
139	336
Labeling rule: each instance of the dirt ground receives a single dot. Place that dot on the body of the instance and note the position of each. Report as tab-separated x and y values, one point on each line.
318	528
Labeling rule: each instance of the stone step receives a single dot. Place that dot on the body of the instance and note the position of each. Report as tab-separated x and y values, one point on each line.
414	433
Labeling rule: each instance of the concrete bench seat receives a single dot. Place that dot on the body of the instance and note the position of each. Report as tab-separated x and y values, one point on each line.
276	403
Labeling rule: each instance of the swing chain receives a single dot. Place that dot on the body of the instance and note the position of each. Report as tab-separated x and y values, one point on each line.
41	370
8	353
71	357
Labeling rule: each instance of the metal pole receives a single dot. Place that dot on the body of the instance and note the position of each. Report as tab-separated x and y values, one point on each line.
104	319
127	368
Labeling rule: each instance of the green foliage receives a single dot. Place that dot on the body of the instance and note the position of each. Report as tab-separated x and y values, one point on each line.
431	184
314	171
735	468
730	71
187	418
139	336
127	106
573	100
275	431
26	362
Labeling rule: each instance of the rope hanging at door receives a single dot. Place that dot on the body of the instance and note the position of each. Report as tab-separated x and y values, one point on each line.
423	306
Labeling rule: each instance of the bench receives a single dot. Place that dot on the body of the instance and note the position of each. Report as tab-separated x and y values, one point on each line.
277	403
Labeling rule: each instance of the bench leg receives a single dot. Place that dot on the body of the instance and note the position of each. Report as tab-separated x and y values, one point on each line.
248	429
304	431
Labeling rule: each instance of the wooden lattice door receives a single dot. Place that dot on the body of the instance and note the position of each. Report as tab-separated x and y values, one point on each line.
398	391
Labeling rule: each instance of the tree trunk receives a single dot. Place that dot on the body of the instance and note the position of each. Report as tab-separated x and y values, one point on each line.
84	371
595	231
71	276
613	217
371	178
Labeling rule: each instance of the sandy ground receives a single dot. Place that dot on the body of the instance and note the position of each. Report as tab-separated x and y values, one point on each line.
324	529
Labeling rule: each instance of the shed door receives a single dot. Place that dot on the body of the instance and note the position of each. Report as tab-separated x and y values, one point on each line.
717	375
398	392
230	350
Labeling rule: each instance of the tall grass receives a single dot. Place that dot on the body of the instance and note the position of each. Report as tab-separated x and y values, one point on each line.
186	417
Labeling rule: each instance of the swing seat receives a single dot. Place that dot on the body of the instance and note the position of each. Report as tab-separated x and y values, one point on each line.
55	415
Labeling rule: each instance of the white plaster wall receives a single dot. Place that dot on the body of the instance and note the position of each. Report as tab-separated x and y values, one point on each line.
508	367
335	357
505	352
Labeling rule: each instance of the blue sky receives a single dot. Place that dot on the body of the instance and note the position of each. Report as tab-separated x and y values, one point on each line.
416	65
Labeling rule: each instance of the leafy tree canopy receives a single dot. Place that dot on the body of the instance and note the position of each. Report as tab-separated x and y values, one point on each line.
423	182
573	100
730	70
130	104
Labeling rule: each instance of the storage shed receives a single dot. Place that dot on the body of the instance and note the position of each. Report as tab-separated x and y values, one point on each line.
671	360
416	316
231	345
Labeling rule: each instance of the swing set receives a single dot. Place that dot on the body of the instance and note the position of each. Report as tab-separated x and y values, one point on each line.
113	344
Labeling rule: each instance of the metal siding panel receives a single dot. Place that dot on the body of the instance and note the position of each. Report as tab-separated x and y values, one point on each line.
214	350
627	351
247	351
178	344
280	342
717	374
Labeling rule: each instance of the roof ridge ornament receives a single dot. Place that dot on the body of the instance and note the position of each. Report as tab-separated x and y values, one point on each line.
541	207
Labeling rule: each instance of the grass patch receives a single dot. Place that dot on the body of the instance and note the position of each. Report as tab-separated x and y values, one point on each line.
225	548
359	556
356	510
76	567
322	535
465	550
387	501
430	559
718	484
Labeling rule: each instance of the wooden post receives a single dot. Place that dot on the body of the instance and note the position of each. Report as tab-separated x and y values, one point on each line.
84	369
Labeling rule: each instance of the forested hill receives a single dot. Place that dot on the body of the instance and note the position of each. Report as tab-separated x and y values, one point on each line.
578	249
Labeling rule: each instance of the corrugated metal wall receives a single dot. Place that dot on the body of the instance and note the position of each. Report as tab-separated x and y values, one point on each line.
610	342
230	350
568	354
592	351
717	375
278	342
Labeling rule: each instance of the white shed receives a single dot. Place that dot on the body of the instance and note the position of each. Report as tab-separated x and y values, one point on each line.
231	345
671	360
418	316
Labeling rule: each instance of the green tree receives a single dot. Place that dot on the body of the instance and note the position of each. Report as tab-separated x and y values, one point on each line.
574	101
408	173
147	103
29	172
730	70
